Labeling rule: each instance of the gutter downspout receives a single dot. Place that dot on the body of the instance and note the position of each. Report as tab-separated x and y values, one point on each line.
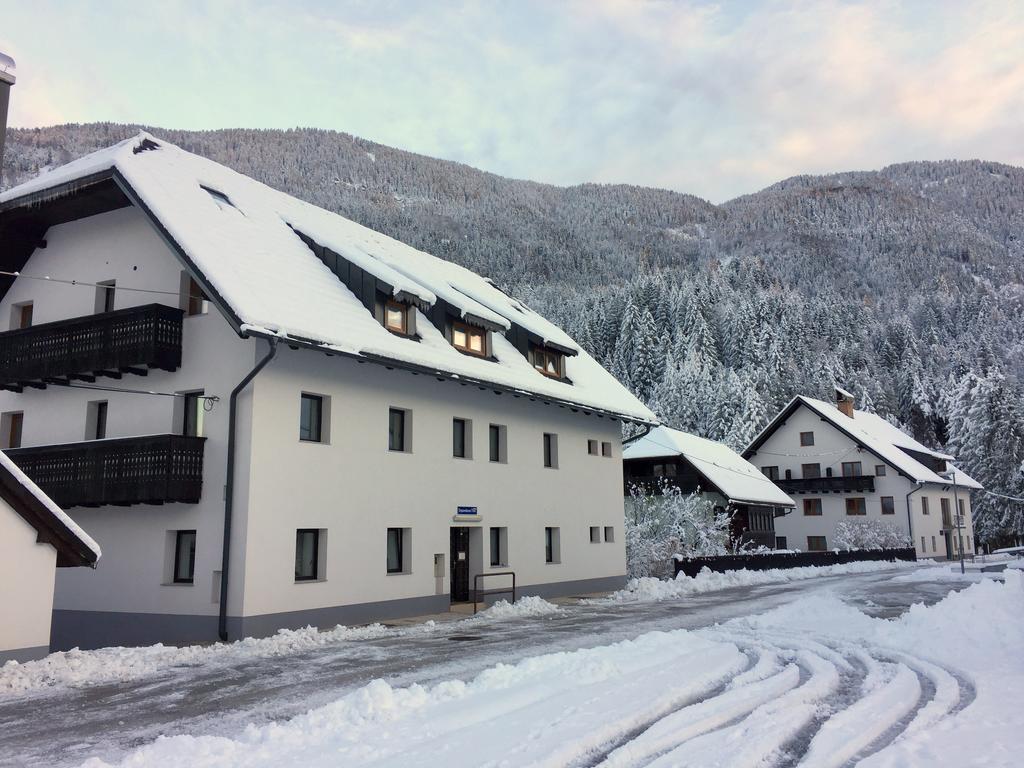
229	488
910	522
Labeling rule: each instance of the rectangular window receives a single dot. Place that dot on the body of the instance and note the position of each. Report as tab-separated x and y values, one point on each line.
816	544
460	439
806	438
396	317
772	473
810	470
11	423
184	557
96	420
396	554
105	296
21	315
960	507
550	450
947	516
307	554
880	470
466	338
496	443
396	430
933	545
812	507
499	547
924	506
311	418
780	542
551	545
595	534
606	449
856	506
592	447
609	534
192	414
924	547
192	298
852	469
547	361
888	505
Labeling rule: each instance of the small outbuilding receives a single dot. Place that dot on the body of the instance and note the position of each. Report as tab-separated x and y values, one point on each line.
698	465
36	537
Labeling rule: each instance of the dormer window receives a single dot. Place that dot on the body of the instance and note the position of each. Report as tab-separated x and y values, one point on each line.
549	362
396	317
466	338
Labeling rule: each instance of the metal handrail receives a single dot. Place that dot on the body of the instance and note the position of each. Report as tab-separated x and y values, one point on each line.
476	587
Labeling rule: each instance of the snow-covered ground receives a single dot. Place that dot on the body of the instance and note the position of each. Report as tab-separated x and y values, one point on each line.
815	679
775	673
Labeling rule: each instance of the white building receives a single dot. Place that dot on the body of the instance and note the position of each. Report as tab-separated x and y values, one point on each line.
843	464
698	465
36	537
401	425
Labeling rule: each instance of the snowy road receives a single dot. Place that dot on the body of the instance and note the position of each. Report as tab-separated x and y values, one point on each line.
737	682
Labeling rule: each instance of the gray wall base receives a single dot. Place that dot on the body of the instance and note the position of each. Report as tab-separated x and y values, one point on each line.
22	655
98	629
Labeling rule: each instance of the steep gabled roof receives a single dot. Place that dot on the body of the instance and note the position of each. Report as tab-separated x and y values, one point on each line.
74	546
735	477
872	432
247	245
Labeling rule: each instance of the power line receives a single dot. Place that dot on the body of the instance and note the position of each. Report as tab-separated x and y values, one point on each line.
1002	495
87	284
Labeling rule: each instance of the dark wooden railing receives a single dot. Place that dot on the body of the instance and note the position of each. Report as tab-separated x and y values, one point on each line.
154	469
854	484
131	340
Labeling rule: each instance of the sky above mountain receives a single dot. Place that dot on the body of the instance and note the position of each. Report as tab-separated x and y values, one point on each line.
713	99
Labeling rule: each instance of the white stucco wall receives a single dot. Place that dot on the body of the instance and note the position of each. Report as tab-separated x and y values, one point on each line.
831	448
26	584
121	245
355	488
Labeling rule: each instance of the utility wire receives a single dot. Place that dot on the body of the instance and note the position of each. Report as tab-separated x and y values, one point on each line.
101	388
87	284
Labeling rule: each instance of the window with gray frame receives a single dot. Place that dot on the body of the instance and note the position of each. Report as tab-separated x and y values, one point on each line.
184	557
595	534
460	434
609	534
888	505
806	438
311	418
396	556
816	544
499	546
192	414
396	430
551	545
810	471
307	554
550	450
497	443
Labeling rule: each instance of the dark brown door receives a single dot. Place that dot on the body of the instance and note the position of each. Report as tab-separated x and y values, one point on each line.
460	565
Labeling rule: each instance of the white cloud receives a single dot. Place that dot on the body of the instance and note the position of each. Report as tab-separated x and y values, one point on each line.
710	99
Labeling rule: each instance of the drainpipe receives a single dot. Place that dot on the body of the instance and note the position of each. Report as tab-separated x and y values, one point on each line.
229	487
910	522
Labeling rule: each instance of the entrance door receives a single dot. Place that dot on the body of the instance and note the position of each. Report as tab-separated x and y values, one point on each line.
460	565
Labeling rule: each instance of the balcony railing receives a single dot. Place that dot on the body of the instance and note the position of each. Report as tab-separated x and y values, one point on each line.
129	340
155	469
853	484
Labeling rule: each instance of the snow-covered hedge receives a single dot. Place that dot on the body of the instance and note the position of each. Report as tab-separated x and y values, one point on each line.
869	534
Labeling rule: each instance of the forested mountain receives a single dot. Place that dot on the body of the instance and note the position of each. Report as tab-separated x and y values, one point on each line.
905	285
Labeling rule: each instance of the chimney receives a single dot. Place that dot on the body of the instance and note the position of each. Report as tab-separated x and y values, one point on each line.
844	402
7	72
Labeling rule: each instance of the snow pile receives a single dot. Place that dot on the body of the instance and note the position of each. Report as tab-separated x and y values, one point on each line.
120	664
521	608
648	588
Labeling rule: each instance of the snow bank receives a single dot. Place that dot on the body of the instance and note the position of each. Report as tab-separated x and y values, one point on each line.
111	665
649	588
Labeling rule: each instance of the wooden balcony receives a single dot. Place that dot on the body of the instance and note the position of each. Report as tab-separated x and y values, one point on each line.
155	469
131	340
854	484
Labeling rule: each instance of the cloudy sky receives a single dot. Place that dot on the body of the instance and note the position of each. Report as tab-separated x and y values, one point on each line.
714	99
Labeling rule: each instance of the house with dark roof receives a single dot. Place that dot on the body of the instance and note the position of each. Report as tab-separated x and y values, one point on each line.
36	538
841	463
695	464
273	416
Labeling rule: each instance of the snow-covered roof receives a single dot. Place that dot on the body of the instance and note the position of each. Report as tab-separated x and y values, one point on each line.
881	438
40	511
247	248
733	475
